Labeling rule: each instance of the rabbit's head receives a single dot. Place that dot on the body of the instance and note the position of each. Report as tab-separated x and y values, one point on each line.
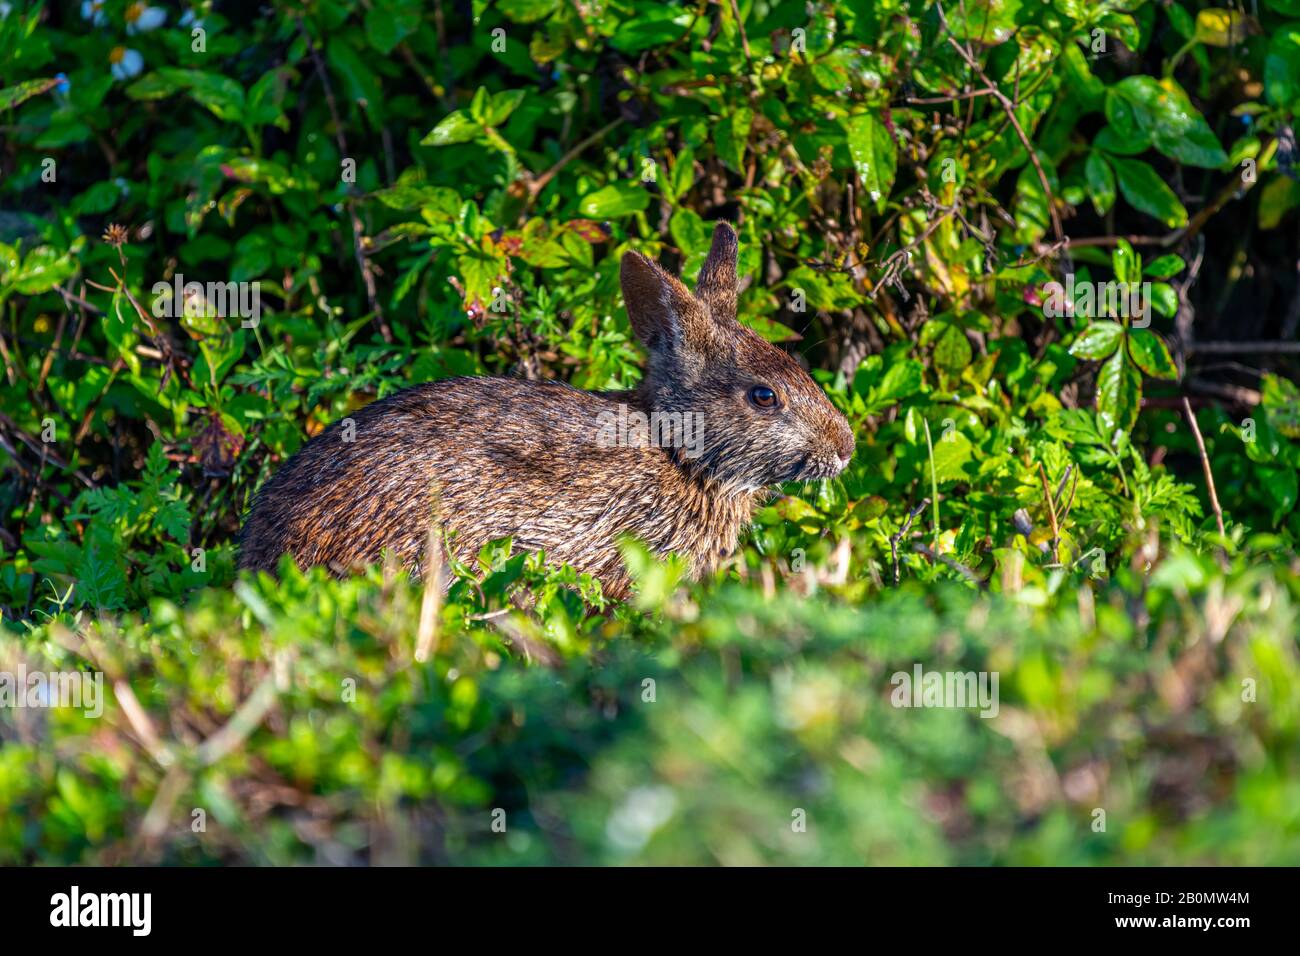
761	419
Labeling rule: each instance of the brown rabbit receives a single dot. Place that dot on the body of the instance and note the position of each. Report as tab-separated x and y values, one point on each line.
563	470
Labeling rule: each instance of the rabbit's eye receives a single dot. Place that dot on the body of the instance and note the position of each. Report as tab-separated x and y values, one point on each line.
762	396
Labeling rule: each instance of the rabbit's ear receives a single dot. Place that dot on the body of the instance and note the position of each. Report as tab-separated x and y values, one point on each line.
663	312
716	286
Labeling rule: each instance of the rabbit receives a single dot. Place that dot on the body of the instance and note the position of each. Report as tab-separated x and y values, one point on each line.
565	471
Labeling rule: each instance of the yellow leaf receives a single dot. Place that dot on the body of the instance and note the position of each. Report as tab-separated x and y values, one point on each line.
1218	27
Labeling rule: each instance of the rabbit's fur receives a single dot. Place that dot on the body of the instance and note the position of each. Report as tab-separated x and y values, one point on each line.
501	457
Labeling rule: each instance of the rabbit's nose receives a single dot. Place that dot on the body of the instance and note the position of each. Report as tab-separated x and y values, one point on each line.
844	444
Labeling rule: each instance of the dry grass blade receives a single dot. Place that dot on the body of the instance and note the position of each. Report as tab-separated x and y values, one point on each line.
426	644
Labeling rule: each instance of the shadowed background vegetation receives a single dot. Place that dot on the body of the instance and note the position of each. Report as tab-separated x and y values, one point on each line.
432	189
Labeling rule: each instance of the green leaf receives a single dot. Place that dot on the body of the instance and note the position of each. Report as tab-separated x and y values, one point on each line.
1082	82
353	63
1151	355
732	138
1145	191
652	26
1160	109
951	453
98	199
1031	208
874	153
1282	485
1165	267
1282	67
1279	196
527	11
689	232
1126	263
682	177
953	350
42	269
153	86
1119	393
11	96
220	94
454	128
481	274
388	25
985	21
1164	300
1101	182
1098	340
613	201
1111	141
901	380
500	106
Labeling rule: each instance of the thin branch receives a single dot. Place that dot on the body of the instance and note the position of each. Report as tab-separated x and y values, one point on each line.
1010	109
894	539
740	25
242	724
535	186
1246	348
42	449
956	565
358	231
1205	465
1051	513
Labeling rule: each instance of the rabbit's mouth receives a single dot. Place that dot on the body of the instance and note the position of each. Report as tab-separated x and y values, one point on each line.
814	468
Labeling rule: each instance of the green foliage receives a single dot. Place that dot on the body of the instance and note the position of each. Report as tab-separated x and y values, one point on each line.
693	735
420	193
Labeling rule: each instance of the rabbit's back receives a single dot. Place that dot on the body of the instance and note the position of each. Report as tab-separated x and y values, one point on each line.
502	457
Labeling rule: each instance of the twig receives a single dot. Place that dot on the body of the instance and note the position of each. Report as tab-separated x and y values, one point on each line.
893	264
956	565
358	232
54	348
895	538
514	635
490	615
241	725
1064	478
8	360
1064	512
1009	108
1248	348
934	482
1205	465
535	186
740	25
159	813
1051	513
141	724
42	449
1237	394
952	98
